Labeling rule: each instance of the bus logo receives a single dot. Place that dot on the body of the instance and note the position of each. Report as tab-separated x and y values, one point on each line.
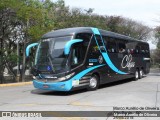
100	59
49	68
127	62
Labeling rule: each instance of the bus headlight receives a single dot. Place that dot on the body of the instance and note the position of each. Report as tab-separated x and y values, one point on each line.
34	77
66	77
70	75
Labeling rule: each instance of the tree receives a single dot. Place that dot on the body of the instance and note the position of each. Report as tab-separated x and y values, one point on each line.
21	21
9	25
156	54
128	27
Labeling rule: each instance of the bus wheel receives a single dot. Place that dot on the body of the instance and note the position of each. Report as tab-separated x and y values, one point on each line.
140	73
136	75
93	83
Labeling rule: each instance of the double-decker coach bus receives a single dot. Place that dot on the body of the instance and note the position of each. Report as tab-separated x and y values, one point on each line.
73	58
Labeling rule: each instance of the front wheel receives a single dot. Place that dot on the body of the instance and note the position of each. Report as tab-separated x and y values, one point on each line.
93	83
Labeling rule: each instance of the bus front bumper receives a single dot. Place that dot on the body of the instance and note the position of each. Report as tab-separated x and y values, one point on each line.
58	86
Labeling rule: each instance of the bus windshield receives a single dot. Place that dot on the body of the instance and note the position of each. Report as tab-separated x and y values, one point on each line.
50	54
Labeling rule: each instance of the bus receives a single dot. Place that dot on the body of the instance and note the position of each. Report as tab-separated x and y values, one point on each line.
86	57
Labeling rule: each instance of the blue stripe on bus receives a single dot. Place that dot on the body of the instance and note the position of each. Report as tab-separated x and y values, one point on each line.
105	55
81	74
66	85
97	44
95	31
110	64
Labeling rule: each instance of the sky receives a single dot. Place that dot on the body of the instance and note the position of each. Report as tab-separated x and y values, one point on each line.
146	12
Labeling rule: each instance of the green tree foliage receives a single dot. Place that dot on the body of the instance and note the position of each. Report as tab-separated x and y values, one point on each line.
21	21
8	31
156	53
128	27
157	36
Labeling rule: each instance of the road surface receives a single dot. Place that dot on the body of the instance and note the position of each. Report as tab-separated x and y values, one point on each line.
127	93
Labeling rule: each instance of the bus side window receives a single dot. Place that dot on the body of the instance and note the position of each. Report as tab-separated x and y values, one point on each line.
121	47
131	47
100	43
111	45
74	57
94	49
105	40
77	55
143	49
137	50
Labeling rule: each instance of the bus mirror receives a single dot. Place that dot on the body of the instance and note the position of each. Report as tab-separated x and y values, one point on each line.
69	44
29	47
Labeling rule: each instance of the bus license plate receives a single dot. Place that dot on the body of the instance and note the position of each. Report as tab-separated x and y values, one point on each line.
45	86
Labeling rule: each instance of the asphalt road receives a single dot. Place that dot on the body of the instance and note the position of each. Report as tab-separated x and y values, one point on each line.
127	93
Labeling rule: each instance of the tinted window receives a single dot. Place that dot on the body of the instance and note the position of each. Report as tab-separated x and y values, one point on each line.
121	46
77	54
144	49
111	45
100	43
132	47
79	50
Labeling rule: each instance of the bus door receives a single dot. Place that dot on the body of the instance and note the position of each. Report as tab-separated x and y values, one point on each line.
77	55
79	51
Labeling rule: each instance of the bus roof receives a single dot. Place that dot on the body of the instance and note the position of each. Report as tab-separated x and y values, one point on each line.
75	30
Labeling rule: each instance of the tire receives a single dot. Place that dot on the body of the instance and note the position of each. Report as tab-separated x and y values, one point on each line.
93	83
140	73
136	75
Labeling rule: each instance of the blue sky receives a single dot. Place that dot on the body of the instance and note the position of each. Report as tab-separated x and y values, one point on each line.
144	11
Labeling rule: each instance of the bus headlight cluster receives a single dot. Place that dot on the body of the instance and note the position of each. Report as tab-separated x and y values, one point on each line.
34	77
66	77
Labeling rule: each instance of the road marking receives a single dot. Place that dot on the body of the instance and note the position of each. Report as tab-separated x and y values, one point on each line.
81	104
15	84
28	104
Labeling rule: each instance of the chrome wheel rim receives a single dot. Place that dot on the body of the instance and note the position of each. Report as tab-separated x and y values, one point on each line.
141	73
93	82
136	75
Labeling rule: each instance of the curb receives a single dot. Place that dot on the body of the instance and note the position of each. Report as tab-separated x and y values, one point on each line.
15	84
